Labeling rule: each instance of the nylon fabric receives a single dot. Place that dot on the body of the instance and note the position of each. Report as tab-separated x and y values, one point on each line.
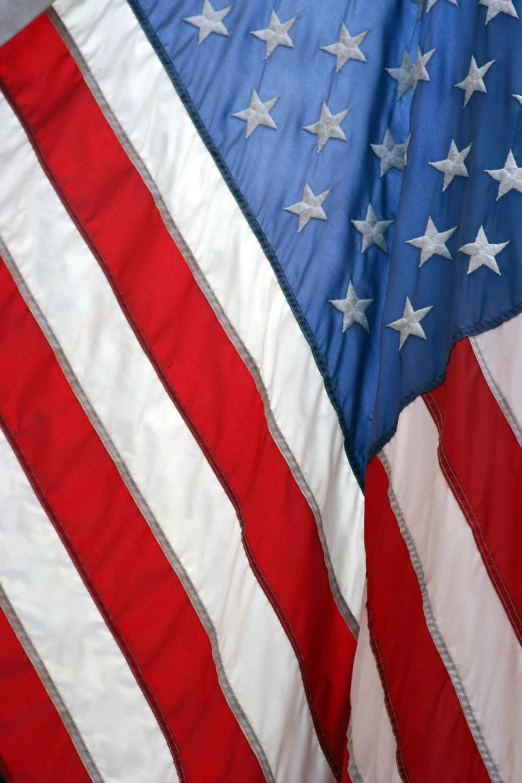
498	350
493	518
419	691
143	99
491	670
128	576
373	745
52	603
182	335
164	460
35	743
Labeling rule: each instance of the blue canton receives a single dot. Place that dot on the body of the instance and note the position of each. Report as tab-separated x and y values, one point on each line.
379	147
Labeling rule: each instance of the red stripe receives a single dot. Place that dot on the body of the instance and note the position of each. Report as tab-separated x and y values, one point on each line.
482	462
120	561
434	742
194	359
34	742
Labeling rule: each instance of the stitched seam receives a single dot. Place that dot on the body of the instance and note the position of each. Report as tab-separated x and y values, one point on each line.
256	229
145	510
353	770
387	696
222	478
50	688
435	633
496	390
211	297
473	522
209	294
469	331
95	595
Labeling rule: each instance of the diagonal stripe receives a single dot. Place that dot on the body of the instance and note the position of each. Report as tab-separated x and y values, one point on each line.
280	531
161	455
52	603
478	452
485	652
233	263
371	742
500	360
167	649
35	742
419	688
143	507
254	226
216	307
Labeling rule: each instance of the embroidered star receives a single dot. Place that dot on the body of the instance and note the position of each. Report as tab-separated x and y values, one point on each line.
392	155
498	7
409	324
518	97
433	242
346	48
353	309
410	73
327	126
276	34
454	165
372	230
257	114
474	81
419	8
310	206
510	177
209	21
482	253
431	3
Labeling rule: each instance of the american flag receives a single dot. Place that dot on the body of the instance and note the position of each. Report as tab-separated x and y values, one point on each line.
261	391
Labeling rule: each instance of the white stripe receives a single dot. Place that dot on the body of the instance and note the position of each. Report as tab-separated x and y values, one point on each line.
499	354
373	745
165	461
143	99
70	636
465	605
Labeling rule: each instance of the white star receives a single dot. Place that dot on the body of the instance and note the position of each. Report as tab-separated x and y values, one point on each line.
392	155
409	324
373	230
518	97
353	309
474	81
454	165
498	7
432	243
276	34
482	253
346	48
510	177
431	3
327	126
310	207
257	114
209	21
410	74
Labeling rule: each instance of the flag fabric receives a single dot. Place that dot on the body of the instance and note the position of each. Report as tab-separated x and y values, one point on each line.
260	409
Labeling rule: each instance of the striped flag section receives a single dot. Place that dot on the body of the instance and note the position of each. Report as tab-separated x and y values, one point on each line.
180	591
212	566
266	502
108	35
455	576
72	292
39	579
